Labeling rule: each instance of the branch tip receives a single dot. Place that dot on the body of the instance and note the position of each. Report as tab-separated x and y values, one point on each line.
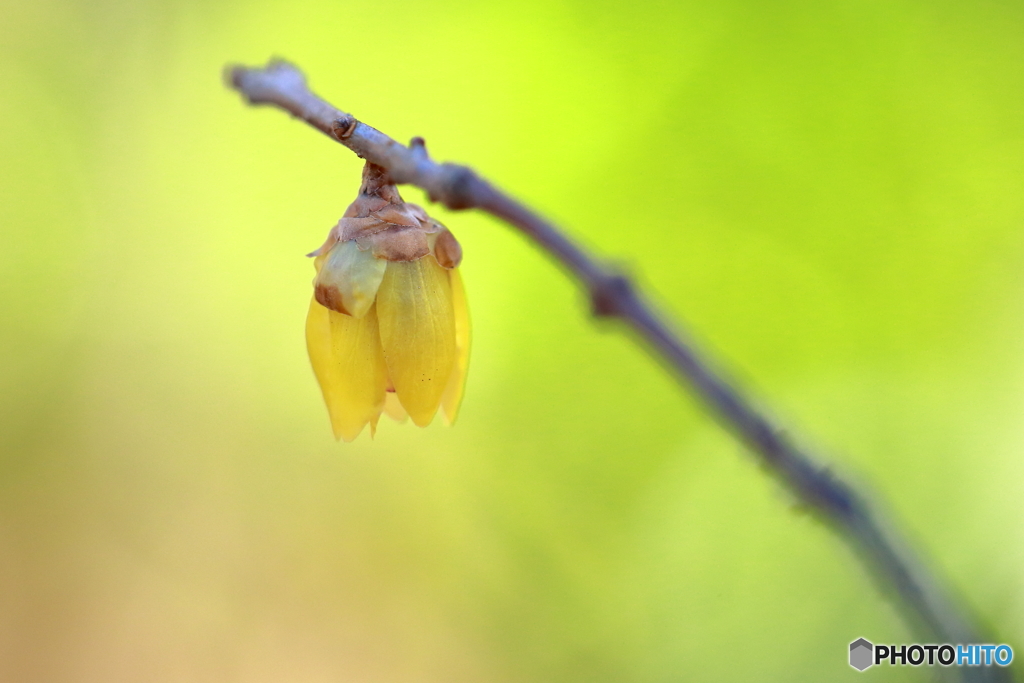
230	75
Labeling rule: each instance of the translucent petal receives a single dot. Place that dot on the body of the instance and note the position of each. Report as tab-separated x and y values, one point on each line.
349	365
393	407
452	398
417	331
347	280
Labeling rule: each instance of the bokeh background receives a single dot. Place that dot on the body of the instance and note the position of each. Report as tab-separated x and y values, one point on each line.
829	194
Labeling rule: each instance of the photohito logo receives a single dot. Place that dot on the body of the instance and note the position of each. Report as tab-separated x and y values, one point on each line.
864	654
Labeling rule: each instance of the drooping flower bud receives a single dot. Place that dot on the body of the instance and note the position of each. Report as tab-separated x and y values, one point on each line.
388	327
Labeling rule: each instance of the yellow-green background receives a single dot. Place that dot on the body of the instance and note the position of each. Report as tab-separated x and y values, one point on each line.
830	193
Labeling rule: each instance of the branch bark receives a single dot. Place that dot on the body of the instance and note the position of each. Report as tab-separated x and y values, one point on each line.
928	606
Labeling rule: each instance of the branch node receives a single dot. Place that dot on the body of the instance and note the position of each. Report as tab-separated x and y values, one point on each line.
458	187
609	294
344	127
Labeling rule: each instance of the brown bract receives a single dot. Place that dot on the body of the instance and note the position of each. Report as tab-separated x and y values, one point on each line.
330	297
447	250
381	222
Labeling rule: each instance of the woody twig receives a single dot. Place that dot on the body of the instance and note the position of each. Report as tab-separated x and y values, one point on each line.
928	605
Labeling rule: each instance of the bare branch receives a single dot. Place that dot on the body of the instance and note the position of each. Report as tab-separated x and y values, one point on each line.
930	609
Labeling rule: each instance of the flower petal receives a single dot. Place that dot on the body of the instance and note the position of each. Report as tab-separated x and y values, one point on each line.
349	365
417	331
452	398
348	279
393	407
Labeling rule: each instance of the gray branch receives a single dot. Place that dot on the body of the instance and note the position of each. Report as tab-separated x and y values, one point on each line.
931	610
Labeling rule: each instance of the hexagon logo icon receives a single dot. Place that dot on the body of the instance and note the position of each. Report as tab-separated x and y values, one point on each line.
860	654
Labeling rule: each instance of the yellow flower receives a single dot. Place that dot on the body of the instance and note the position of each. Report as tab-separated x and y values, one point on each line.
388	327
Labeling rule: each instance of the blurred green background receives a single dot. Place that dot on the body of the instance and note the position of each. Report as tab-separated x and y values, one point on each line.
829	194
